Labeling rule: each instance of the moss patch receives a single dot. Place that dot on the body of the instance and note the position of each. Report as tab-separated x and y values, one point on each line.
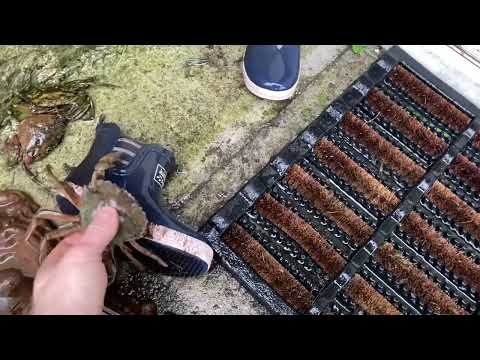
157	100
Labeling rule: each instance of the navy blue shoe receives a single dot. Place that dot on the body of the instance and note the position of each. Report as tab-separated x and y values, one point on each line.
272	71
106	136
142	171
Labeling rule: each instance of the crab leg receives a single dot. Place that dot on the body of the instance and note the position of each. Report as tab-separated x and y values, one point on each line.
33	176
129	255
52	215
63	189
56	234
148	253
44	214
110	262
105	163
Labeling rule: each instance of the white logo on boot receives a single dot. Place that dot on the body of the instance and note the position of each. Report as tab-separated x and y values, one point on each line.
160	175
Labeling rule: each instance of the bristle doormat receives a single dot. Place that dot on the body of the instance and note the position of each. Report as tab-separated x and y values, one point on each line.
373	209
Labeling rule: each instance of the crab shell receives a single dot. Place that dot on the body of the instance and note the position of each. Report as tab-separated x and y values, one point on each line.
15	292
16	274
16	212
38	135
17	204
133	221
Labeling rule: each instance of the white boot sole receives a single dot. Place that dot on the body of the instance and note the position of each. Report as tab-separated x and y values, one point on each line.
265	93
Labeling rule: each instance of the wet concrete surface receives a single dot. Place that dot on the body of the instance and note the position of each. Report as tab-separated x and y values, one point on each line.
221	134
219	292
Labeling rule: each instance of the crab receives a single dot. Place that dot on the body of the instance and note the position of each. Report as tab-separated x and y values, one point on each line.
97	194
15	292
36	137
42	115
16	250
26	233
19	260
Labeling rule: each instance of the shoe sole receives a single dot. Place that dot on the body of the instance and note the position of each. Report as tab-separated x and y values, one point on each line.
265	93
197	255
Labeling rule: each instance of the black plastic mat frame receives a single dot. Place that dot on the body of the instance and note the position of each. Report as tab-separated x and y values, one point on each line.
296	150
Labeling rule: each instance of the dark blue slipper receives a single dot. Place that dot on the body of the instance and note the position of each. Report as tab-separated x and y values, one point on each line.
142	171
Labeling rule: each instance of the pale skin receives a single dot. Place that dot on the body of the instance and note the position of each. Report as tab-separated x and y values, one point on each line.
72	280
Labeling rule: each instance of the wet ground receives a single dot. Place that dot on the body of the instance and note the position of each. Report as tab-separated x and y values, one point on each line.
220	133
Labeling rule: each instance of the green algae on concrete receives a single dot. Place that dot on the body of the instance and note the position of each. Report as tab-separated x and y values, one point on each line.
221	134
248	152
155	101
158	102
248	156
22	66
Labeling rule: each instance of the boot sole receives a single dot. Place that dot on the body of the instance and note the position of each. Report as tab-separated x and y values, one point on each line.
265	93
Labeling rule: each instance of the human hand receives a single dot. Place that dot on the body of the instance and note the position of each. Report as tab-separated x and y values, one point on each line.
72	280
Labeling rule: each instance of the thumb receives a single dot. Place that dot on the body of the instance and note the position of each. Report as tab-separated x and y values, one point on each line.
101	231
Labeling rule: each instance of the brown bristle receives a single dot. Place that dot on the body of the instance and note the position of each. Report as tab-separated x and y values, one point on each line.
441	196
384	200
467	171
455	208
426	97
368	298
440	248
406	272
295	227
476	141
398	161
322	253
328	204
383	150
416	281
364	183
268	268
406	124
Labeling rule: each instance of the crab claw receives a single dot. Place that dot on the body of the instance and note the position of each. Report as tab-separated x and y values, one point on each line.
28	159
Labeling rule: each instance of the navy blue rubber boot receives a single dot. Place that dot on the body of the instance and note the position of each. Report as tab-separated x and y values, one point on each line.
272	71
142	171
106	136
